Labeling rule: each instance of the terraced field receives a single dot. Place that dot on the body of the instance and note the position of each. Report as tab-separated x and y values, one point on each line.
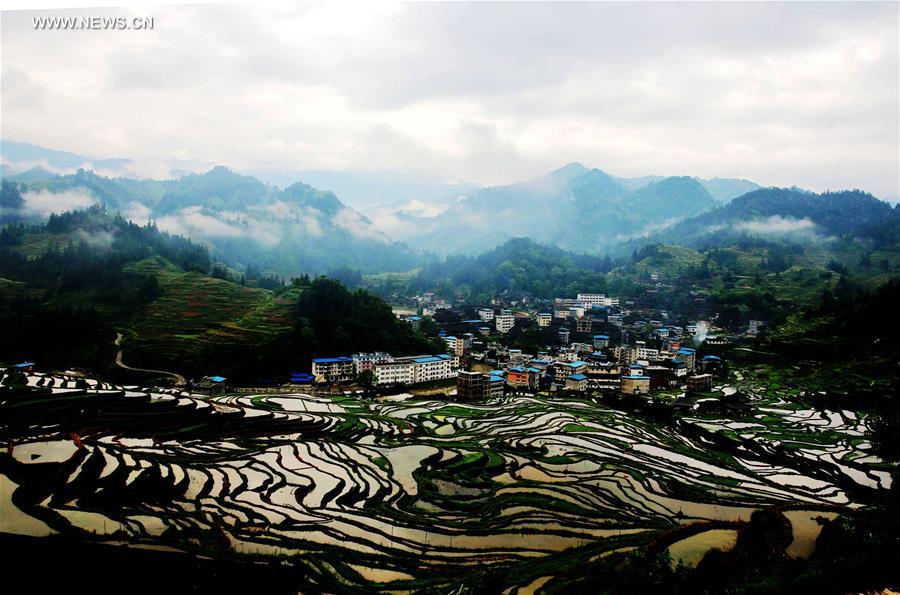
197	313
409	494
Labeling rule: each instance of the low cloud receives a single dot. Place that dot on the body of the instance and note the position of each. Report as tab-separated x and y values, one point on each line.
44	202
352	222
777	225
192	222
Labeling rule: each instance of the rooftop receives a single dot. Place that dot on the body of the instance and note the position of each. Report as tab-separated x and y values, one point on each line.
332	360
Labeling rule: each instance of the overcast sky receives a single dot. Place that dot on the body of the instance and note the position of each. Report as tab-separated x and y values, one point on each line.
783	94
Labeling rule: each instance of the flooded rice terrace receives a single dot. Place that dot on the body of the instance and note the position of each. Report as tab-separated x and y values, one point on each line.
410	493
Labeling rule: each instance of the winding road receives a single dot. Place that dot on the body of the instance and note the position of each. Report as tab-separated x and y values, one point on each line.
179	379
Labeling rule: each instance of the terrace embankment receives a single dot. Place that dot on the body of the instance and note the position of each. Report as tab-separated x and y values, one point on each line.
398	494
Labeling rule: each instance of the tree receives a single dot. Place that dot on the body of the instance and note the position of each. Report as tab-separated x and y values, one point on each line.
367	381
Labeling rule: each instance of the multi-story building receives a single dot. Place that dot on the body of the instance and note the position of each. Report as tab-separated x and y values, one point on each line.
367	361
399	371
455	346
643	353
333	369
563	335
475	386
544	318
429	368
504	322
485	314
635	385
699	383
583	325
416	369
615	319
688	356
596	299
564	369
576	382
601	341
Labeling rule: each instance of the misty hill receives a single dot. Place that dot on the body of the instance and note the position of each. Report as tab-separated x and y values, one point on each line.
244	221
573	207
787	213
518	266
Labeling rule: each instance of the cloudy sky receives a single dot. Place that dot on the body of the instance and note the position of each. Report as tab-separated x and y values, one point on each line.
783	94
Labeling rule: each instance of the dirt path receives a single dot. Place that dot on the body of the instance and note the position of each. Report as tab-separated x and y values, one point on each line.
179	379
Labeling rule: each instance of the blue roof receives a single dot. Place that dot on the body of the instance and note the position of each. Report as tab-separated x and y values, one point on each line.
24	365
576	364
636	367
544	314
430	358
332	360
517	369
601	336
497	372
532	369
217	378
414	318
577	377
540	361
711	357
687	351
496	379
638	377
449	337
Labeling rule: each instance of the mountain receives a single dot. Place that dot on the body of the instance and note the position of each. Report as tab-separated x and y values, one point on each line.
17	158
787	212
573	207
246	222
370	190
726	189
721	189
517	266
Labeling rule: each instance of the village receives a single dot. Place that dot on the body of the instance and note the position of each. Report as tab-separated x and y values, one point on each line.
591	343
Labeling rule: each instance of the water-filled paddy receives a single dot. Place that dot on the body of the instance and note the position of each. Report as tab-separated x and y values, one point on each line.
386	493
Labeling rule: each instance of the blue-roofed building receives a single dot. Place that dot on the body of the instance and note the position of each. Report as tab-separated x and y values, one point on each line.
711	363
211	385
688	356
302	378
576	382
25	366
333	369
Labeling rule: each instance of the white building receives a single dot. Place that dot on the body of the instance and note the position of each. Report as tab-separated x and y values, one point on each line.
433	367
399	371
485	314
367	361
333	369
416	369
544	318
455	346
596	299
504	322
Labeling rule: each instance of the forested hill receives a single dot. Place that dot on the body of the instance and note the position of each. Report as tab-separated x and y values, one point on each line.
290	231
786	213
69	285
518	266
